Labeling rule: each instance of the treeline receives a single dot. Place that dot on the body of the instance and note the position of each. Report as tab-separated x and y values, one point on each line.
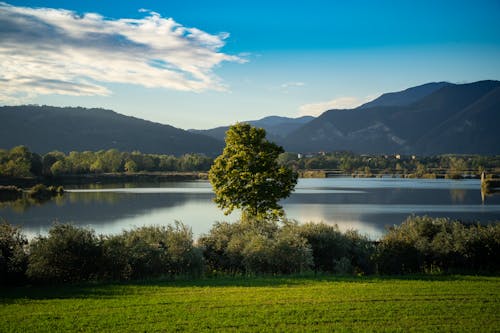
452	166
419	245
21	162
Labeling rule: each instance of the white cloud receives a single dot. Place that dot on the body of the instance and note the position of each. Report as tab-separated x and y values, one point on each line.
286	87
55	51
315	109
292	84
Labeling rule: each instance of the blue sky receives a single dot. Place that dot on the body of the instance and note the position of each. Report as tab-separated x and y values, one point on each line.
218	62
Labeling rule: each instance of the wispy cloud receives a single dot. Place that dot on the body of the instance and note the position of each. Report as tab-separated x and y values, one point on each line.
286	87
56	51
315	109
292	84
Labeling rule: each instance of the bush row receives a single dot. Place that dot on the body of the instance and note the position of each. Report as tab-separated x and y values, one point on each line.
72	254
418	245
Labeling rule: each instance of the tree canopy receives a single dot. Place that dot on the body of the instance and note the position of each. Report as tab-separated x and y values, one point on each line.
247	175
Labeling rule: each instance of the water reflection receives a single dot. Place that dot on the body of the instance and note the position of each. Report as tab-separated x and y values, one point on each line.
368	205
457	195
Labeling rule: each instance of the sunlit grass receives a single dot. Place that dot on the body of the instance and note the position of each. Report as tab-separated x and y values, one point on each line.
259	304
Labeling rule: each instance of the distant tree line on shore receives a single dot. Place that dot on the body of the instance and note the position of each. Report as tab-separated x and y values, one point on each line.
451	166
420	245
21	162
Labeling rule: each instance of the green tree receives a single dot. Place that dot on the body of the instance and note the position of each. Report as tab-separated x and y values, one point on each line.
247	175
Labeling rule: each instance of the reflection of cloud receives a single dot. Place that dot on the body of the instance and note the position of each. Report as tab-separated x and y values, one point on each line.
315	109
345	219
55	51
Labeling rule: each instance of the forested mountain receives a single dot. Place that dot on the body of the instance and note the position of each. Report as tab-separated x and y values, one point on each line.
45	128
405	97
435	118
277	128
446	118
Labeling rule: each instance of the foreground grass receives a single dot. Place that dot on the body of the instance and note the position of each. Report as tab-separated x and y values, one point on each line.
456	303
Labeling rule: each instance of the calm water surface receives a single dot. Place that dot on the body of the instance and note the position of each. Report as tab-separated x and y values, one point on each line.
368	205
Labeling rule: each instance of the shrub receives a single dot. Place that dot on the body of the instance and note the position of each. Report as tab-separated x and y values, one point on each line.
223	245
425	244
13	259
360	252
482	248
215	248
151	252
333	251
67	254
291	253
255	246
41	192
328	244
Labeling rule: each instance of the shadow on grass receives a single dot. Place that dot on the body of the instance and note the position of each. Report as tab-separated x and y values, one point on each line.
112	289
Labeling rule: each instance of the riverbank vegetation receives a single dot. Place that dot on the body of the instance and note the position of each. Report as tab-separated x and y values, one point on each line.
321	303
20	162
38	193
248	247
410	166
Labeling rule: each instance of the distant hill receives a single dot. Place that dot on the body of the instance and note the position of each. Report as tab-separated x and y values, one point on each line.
431	119
405	97
277	128
46	128
434	118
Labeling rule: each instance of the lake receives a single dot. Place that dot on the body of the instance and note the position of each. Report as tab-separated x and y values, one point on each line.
365	204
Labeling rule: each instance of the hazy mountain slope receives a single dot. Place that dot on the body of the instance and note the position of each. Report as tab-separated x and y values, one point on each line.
430	125
416	121
474	130
44	128
405	97
276	127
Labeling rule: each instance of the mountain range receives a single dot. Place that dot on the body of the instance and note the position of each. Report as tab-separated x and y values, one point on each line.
434	118
277	128
46	128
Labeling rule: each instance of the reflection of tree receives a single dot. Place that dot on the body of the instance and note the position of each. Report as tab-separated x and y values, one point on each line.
17	206
457	195
22	205
82	208
90	197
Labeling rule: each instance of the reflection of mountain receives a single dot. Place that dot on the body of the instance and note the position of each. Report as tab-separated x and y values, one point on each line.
84	208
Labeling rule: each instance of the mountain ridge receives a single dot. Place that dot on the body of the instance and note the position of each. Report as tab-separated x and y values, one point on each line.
47	128
433	118
407	128
277	127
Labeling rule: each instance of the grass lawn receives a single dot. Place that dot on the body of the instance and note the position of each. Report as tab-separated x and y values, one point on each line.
442	303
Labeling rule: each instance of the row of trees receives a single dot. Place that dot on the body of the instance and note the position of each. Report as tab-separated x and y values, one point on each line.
20	162
418	166
419	245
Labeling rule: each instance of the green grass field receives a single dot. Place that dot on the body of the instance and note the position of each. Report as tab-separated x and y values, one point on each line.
449	303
